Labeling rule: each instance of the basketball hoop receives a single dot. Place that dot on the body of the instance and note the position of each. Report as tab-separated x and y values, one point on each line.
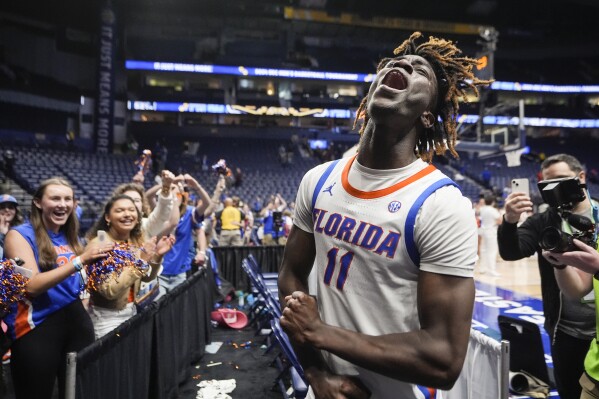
513	157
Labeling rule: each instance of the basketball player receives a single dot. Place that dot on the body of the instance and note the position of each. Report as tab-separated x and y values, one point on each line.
393	240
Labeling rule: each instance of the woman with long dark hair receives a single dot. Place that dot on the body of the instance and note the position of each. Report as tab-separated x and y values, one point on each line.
112	301
154	221
52	320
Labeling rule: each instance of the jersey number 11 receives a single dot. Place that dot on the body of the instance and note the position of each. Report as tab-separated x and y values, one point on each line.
345	261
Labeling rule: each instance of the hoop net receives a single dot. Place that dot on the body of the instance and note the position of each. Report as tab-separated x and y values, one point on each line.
513	157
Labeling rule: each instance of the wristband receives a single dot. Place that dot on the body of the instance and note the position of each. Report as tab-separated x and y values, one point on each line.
144	267
77	263
154	262
202	252
559	267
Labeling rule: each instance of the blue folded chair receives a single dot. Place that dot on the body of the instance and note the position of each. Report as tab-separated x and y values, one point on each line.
270	285
289	365
266	306
256	266
258	308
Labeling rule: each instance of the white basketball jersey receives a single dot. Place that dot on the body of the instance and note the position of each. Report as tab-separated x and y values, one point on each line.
366	255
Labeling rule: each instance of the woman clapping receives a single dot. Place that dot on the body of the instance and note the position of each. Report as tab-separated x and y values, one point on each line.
112	300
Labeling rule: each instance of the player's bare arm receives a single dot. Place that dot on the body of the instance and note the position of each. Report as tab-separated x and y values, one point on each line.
432	356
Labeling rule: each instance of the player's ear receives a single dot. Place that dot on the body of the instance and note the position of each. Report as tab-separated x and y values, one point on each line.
427	119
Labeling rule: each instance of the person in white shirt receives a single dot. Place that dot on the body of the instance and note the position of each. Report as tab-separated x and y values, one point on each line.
490	218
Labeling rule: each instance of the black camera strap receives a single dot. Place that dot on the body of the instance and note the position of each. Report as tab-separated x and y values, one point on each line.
595	213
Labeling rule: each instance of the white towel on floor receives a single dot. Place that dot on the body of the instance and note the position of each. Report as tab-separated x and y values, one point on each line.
216	389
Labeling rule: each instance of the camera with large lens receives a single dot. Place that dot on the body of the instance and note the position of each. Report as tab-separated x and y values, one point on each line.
556	240
563	194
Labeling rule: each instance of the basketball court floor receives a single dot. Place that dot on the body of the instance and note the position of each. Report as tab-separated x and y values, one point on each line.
515	293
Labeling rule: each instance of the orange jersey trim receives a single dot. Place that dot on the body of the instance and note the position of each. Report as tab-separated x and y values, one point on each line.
22	326
384	191
131	296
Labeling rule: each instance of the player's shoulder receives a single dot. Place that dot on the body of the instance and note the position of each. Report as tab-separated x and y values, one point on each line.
316	172
323	166
449	189
448	199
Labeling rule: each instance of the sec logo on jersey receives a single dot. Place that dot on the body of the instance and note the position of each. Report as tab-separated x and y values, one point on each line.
394	206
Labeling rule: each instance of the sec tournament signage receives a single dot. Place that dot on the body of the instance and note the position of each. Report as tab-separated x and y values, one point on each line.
104	115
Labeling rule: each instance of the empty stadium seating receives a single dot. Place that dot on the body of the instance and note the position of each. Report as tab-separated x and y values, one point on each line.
94	176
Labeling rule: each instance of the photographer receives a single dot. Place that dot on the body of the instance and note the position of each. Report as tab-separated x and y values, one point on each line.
576	282
569	323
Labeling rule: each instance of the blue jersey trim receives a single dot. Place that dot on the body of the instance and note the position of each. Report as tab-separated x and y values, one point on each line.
429	393
411	219
322	181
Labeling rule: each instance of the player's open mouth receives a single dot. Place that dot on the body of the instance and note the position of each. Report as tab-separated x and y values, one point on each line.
395	80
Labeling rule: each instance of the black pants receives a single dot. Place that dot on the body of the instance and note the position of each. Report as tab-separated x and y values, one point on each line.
39	356
568	364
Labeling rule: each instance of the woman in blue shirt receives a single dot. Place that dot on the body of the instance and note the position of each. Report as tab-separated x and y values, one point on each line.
51	321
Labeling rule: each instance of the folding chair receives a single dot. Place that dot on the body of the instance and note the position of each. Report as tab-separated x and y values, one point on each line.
266	305
258	306
256	266
269	280
288	365
270	286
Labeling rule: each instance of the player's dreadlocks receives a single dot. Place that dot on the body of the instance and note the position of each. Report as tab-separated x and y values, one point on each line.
454	77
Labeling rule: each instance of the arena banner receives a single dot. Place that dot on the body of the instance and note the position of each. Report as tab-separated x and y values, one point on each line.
178	67
343	18
104	112
204	108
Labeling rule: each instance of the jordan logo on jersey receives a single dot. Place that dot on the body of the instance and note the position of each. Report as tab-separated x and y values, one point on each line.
329	189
